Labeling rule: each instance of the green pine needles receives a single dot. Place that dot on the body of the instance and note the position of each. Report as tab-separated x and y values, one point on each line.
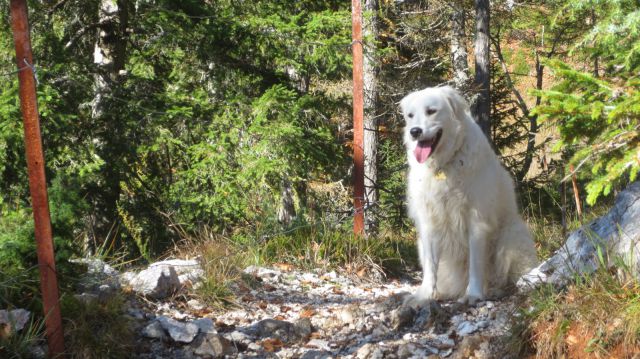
597	112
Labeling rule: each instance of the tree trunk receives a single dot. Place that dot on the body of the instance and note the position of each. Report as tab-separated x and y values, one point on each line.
370	31
287	210
109	51
109	56
482	105
533	124
459	62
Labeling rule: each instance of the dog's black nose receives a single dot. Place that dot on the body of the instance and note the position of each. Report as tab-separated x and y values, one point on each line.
415	132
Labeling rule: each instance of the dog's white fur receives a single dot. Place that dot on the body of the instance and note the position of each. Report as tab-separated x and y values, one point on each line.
471	240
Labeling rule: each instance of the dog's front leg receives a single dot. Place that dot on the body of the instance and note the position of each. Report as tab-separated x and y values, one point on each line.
478	232
429	257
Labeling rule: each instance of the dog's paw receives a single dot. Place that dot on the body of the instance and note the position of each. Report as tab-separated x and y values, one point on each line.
470	299
422	296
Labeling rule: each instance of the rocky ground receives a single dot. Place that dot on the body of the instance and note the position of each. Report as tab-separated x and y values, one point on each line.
284	313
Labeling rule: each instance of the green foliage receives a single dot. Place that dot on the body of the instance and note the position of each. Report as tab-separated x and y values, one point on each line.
598	115
215	105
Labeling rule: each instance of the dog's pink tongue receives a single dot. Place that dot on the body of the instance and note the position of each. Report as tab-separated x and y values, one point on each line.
422	151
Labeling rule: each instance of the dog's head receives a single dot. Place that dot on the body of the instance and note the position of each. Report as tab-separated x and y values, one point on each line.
433	123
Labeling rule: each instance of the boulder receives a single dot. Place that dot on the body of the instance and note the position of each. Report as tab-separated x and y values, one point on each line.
156	282
607	239
164	278
188	270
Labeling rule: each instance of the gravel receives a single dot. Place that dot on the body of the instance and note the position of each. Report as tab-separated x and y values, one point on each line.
319	314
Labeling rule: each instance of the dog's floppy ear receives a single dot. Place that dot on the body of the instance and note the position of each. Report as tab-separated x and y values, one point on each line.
404	102
458	104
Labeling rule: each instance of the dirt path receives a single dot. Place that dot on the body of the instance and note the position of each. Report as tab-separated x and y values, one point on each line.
292	314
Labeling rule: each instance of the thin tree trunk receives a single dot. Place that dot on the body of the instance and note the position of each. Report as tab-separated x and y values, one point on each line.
287	210
370	69
524	108
482	105
109	56
459	61
596	65
109	52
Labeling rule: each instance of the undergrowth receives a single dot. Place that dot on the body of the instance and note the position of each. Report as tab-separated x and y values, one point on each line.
18	345
306	247
96	328
597	316
548	232
315	247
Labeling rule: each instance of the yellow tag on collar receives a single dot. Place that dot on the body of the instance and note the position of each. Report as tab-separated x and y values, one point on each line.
440	175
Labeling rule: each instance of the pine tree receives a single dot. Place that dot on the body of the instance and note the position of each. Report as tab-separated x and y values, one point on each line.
598	112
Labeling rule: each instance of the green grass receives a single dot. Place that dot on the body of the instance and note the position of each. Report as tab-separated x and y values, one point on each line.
222	264
315	247
306	247
97	329
18	345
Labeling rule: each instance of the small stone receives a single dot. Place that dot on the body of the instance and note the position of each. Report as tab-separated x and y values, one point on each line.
405	351
154	330
263	272
369	351
303	328
240	337
490	304
317	354
442	342
379	331
346	316
365	351
213	345
468	346
15	320
178	331
466	328
136	313
195	304
205	325
319	344
279	329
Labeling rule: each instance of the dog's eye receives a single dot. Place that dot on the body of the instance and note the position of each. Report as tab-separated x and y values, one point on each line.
410	115
431	111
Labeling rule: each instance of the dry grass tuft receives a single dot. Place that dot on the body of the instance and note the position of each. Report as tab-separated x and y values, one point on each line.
596	317
97	329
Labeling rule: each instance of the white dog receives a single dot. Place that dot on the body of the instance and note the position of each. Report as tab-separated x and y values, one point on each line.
471	240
